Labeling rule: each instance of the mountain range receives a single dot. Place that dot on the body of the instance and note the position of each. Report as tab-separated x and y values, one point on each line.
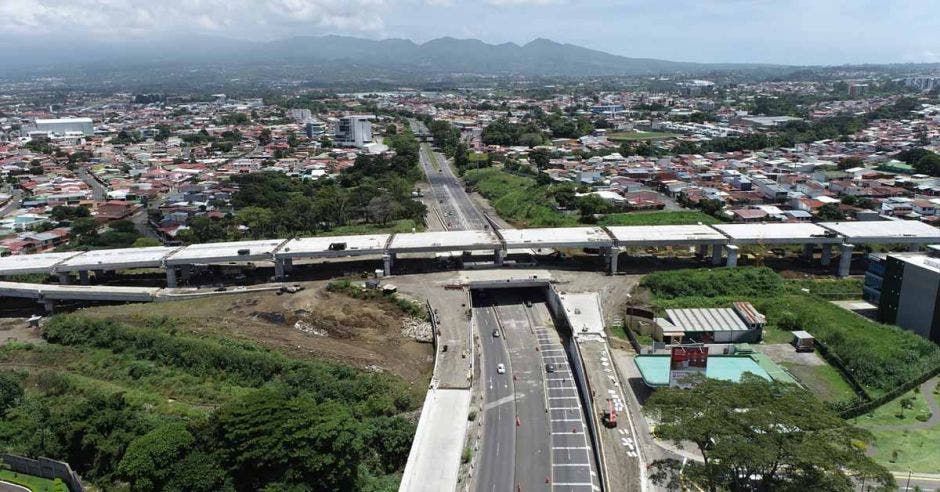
541	57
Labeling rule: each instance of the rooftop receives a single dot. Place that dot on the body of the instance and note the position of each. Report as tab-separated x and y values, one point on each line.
654	368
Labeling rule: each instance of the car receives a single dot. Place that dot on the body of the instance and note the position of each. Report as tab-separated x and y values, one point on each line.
500	369
528	303
549	368
495	333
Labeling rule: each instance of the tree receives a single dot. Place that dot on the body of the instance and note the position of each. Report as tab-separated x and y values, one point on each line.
264	138
928	164
269	436
850	162
143	242
11	391
541	158
148	462
830	212
760	435
85	229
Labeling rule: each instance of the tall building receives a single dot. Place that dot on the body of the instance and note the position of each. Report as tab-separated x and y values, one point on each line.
300	114
353	131
906	289
62	126
314	128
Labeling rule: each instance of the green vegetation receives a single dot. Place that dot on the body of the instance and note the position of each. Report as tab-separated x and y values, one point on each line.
835	127
822	380
880	357
900	442
828	288
526	202
677	217
372	195
161	409
733	282
502	132
33	483
631	136
759	435
407	306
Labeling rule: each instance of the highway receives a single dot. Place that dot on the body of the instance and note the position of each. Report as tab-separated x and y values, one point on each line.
457	211
552	449
496	465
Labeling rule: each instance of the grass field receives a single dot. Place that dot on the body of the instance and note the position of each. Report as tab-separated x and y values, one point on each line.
680	217
519	200
824	381
36	484
917	449
633	136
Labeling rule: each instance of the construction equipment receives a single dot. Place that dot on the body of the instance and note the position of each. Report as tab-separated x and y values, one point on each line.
609	417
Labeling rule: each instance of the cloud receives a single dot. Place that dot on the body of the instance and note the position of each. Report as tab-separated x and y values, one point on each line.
116	18
521	3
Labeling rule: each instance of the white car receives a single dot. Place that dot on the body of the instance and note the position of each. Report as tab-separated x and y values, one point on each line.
500	369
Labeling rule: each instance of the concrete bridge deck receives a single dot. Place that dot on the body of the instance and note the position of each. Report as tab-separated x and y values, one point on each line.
724	239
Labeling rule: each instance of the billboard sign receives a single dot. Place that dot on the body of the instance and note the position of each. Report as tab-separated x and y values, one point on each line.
686	361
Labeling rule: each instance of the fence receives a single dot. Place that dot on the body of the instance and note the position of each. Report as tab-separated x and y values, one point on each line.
836	362
872	404
45	468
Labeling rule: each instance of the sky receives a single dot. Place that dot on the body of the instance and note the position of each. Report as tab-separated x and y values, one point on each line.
795	32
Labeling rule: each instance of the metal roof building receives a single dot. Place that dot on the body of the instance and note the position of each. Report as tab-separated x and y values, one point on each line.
741	323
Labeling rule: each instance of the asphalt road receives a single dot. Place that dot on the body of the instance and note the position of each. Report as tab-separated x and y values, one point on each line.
552	449
99	191
13	204
497	462
457	210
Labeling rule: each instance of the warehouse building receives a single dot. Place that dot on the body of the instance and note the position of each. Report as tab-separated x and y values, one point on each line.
739	323
65	126
906	289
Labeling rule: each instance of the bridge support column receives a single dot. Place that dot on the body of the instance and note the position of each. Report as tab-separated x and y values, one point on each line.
288	264
63	278
701	251
716	254
808	251
826	257
498	256
389	261
732	255
48	305
279	269
613	255
846	260
913	247
171	277
83	277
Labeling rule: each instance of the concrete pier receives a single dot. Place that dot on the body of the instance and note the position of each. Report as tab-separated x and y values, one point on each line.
845	262
732	255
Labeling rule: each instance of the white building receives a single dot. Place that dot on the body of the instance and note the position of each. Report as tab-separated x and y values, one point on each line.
63	126
354	131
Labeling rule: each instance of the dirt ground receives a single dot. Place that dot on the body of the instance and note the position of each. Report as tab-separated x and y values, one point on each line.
16	330
311	323
785	353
